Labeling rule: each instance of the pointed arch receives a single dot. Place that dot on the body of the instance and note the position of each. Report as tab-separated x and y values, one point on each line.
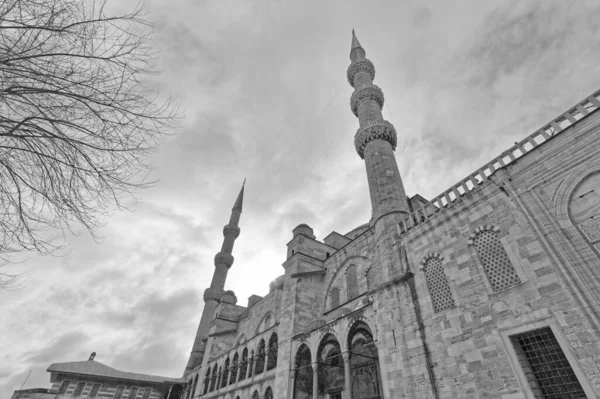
371	275
365	376
497	266
265	322
303	374
330	365
272	352
255	395
234	369
225	376
213	380
260	357
251	364
268	393
244	364
206	382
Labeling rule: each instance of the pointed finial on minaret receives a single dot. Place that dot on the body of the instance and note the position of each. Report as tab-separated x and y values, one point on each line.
355	42
240	198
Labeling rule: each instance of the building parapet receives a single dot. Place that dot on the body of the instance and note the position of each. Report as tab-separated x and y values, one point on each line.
470	183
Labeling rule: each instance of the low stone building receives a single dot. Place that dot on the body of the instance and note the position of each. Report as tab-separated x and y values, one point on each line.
489	290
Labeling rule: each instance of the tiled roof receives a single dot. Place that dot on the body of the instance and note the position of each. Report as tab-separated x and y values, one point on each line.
94	368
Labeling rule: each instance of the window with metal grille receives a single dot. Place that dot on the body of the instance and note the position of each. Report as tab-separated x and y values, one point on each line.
334	295
437	284
64	386
133	393
371	278
79	388
147	392
497	266
545	365
95	390
351	282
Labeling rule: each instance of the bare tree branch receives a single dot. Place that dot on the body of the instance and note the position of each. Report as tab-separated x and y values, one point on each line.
77	119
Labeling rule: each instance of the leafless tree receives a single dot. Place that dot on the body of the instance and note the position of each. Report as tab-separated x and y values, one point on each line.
77	119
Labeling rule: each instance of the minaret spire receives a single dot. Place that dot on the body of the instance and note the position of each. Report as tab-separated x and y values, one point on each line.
212	295
375	140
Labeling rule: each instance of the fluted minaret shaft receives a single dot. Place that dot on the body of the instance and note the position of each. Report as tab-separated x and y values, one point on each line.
375	140
212	295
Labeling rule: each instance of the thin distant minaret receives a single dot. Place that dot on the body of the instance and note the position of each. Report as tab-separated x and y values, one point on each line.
212	295
375	140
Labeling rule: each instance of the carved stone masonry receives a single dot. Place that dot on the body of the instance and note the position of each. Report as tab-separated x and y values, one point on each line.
360	66
383	130
372	92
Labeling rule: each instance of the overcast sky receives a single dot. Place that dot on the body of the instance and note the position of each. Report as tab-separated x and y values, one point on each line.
263	87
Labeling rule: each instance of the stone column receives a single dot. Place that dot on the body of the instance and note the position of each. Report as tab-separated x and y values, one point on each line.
315	367
266	362
347	380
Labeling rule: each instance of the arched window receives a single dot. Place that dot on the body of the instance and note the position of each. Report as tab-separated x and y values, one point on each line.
213	380
371	278
234	369
272	354
206	382
334	297
225	376
219	375
251	364
496	264
351	282
255	395
303	374
584	210
260	358
437	284
244	364
268	393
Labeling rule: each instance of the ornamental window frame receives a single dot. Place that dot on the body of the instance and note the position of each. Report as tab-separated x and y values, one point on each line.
506	335
449	281
512	257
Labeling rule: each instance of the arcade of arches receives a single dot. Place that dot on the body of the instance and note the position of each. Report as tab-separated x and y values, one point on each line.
333	373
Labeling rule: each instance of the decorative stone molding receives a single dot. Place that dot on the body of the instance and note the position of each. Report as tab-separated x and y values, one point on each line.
479	229
212	294
430	255
230	230
382	130
360	66
372	92
223	259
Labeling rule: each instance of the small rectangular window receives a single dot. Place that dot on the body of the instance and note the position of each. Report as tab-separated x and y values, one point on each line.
133	393
545	365
63	387
79	388
95	390
147	392
119	392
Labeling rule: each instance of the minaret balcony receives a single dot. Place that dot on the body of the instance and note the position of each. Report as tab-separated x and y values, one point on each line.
366	92
231	231
360	66
374	130
223	259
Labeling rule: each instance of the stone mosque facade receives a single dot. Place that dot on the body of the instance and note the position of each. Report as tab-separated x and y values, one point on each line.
489	290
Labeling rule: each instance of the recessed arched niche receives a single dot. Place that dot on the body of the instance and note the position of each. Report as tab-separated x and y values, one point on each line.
584	210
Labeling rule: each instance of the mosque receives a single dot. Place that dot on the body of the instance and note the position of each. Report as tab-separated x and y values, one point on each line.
489	290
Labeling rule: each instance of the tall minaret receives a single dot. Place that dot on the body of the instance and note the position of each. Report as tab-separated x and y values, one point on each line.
375	140
212	295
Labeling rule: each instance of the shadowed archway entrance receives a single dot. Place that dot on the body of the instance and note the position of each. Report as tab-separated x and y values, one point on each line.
364	363
330	368
303	374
